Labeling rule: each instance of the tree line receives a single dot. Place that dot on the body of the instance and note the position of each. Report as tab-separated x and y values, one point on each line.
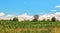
53	19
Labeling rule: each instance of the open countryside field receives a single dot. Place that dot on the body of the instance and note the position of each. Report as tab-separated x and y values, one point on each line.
29	27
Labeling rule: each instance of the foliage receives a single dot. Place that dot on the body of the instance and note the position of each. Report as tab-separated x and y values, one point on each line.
43	20
53	19
44	31
27	26
36	17
57	20
48	20
15	19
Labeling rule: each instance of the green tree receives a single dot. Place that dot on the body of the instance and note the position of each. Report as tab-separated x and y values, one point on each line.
57	20
48	20
43	20
53	19
15	19
36	17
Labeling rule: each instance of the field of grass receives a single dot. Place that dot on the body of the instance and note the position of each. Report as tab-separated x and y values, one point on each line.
29	27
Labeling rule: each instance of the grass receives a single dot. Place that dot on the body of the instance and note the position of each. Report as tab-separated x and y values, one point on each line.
29	27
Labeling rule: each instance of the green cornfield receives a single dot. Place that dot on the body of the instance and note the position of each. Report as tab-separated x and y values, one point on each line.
29	27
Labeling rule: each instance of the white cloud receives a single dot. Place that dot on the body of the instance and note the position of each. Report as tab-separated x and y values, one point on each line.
58	6
41	17
53	10
2	14
49	16
27	17
7	17
57	13
10	15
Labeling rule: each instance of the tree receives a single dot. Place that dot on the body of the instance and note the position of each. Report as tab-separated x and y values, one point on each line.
57	20
43	20
36	17
48	20
53	19
15	19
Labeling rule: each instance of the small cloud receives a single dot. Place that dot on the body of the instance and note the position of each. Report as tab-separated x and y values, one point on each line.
10	15
54	10
58	6
1	14
57	13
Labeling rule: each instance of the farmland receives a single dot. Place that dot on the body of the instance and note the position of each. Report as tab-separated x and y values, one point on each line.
29	27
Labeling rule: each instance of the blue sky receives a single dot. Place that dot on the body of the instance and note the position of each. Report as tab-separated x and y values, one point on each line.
31	7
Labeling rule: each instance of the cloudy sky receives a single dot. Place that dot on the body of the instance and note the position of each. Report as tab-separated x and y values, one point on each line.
31	7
